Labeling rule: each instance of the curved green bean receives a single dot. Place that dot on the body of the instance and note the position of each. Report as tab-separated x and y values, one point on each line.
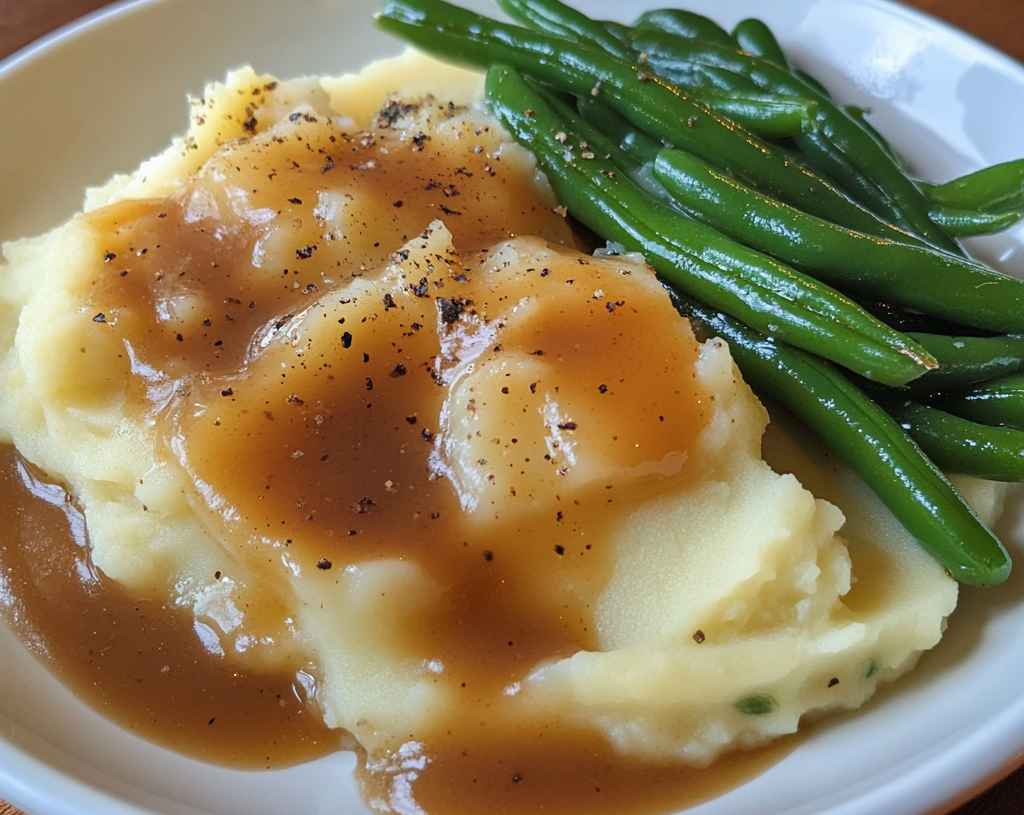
959	445
845	419
684	24
966	361
754	37
564	21
1000	186
995	402
965	223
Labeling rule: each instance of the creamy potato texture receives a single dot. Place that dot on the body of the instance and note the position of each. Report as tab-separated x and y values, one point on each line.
334	377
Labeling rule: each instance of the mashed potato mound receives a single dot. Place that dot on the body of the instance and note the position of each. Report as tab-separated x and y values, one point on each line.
720	602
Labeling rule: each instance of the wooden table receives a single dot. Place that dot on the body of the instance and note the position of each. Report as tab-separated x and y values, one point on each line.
999	22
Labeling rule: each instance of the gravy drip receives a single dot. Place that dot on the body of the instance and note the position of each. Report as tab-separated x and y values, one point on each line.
137	661
485	421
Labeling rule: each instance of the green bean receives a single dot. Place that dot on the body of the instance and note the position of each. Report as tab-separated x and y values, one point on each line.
812	83
633	142
859	116
754	37
998	187
763	293
966	361
617	30
563	21
655	105
769	115
683	24
877	448
959	445
996	402
908	321
839	147
964	223
933	282
553	16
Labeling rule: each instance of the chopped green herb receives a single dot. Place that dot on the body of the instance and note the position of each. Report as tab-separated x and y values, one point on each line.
757	704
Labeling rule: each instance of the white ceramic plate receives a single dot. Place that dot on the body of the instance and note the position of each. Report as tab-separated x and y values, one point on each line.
102	95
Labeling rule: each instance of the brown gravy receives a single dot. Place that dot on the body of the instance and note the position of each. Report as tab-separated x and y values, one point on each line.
141	665
330	461
137	661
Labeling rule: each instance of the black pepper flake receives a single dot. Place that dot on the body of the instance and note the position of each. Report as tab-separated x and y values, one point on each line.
533	387
399	370
352	532
389	302
346	340
364	505
398	204
328	166
369	384
109	256
100	318
698	636
545	272
179	338
602	389
323	564
411	419
366	357
427	435
537	353
505	389
448	210
420	289
418	141
294	400
558	516
295	201
833	682
250	124
559	549
488	555
517	778
450	309
567	426
228	392
305	253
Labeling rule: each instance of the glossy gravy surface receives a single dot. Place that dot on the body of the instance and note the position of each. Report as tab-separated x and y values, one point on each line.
325	429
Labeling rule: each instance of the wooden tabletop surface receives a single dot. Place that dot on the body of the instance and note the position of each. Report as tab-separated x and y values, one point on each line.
999	22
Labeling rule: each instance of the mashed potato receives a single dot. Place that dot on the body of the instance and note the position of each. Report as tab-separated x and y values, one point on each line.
333	377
